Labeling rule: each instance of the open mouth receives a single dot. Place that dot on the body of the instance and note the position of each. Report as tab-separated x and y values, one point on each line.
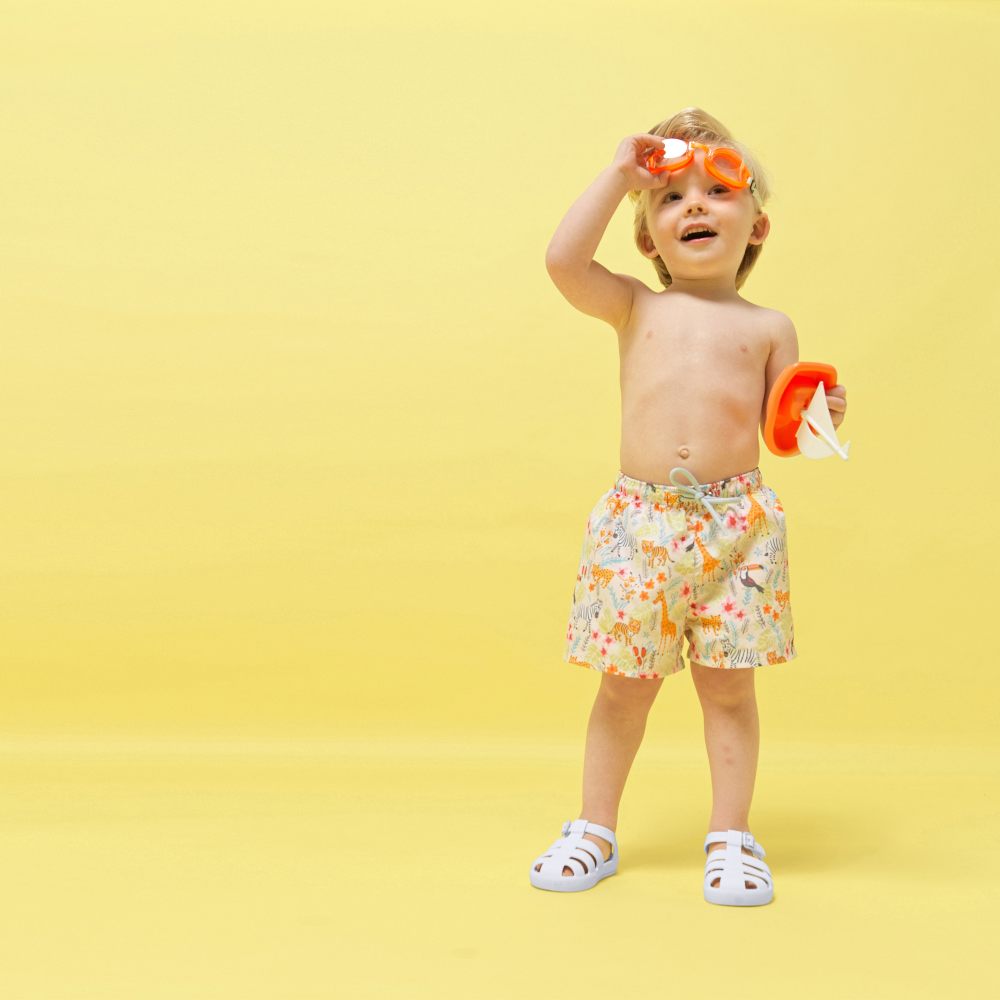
698	234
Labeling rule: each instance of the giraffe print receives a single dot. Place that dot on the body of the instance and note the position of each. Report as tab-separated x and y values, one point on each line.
709	564
655	568
756	518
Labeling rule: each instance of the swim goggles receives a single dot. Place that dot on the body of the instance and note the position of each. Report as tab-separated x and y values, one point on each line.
722	162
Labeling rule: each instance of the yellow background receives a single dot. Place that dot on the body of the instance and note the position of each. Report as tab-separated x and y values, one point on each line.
300	441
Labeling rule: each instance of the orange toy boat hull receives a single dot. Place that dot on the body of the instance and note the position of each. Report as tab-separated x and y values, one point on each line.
790	395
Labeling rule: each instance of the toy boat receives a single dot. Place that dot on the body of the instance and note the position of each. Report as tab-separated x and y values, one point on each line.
798	418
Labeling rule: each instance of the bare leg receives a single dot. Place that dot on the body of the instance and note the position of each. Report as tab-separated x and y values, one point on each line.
732	738
617	725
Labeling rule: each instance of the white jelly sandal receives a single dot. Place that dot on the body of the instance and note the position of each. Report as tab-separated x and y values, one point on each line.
573	851
734	869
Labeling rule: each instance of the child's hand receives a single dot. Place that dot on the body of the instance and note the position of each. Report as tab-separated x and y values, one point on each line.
630	159
836	400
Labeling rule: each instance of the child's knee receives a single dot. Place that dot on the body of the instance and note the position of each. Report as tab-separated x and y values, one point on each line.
630	692
724	688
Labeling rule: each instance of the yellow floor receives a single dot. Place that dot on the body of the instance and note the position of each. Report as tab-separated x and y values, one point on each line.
149	870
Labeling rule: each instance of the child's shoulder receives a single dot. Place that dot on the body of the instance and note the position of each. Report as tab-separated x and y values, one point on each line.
777	324
780	325
763	312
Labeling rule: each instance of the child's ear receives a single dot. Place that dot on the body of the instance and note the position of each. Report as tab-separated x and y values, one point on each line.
647	249
761	227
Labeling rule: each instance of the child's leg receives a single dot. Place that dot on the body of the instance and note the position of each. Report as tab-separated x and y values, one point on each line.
732	738
614	732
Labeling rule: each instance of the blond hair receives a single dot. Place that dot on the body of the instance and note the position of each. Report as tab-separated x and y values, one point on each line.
694	124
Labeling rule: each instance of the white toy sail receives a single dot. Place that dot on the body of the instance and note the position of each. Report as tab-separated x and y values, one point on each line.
816	436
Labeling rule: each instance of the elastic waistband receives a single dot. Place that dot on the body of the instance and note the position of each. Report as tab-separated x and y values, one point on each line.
683	485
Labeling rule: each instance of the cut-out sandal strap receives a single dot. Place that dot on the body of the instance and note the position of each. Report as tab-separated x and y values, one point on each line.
590	860
584	852
740	838
582	856
717	863
582	826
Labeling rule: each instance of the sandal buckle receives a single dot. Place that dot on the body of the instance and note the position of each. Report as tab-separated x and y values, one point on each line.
748	841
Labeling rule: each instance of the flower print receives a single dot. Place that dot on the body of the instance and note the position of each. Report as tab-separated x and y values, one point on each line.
679	542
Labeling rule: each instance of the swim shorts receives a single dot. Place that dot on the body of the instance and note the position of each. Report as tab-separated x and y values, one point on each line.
662	561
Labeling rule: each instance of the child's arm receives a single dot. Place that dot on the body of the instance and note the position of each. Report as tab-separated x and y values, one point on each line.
593	289
587	285
784	352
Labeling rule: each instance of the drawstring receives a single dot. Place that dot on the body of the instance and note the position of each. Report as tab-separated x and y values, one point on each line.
697	492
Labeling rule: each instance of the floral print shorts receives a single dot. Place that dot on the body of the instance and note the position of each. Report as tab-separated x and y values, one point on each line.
660	562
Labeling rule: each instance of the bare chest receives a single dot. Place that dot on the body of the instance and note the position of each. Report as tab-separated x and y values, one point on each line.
692	388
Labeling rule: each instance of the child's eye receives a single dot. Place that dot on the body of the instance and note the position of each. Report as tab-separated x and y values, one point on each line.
718	187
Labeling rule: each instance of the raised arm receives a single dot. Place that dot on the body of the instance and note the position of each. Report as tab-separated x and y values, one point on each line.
579	234
587	285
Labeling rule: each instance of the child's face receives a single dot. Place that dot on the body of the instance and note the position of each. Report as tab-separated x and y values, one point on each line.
694	196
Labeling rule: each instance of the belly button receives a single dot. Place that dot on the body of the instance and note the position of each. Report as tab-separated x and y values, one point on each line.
683	452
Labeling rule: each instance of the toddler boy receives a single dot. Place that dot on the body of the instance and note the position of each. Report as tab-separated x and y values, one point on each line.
694	549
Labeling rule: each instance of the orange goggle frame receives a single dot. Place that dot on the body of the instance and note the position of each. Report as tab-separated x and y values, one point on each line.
734	174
